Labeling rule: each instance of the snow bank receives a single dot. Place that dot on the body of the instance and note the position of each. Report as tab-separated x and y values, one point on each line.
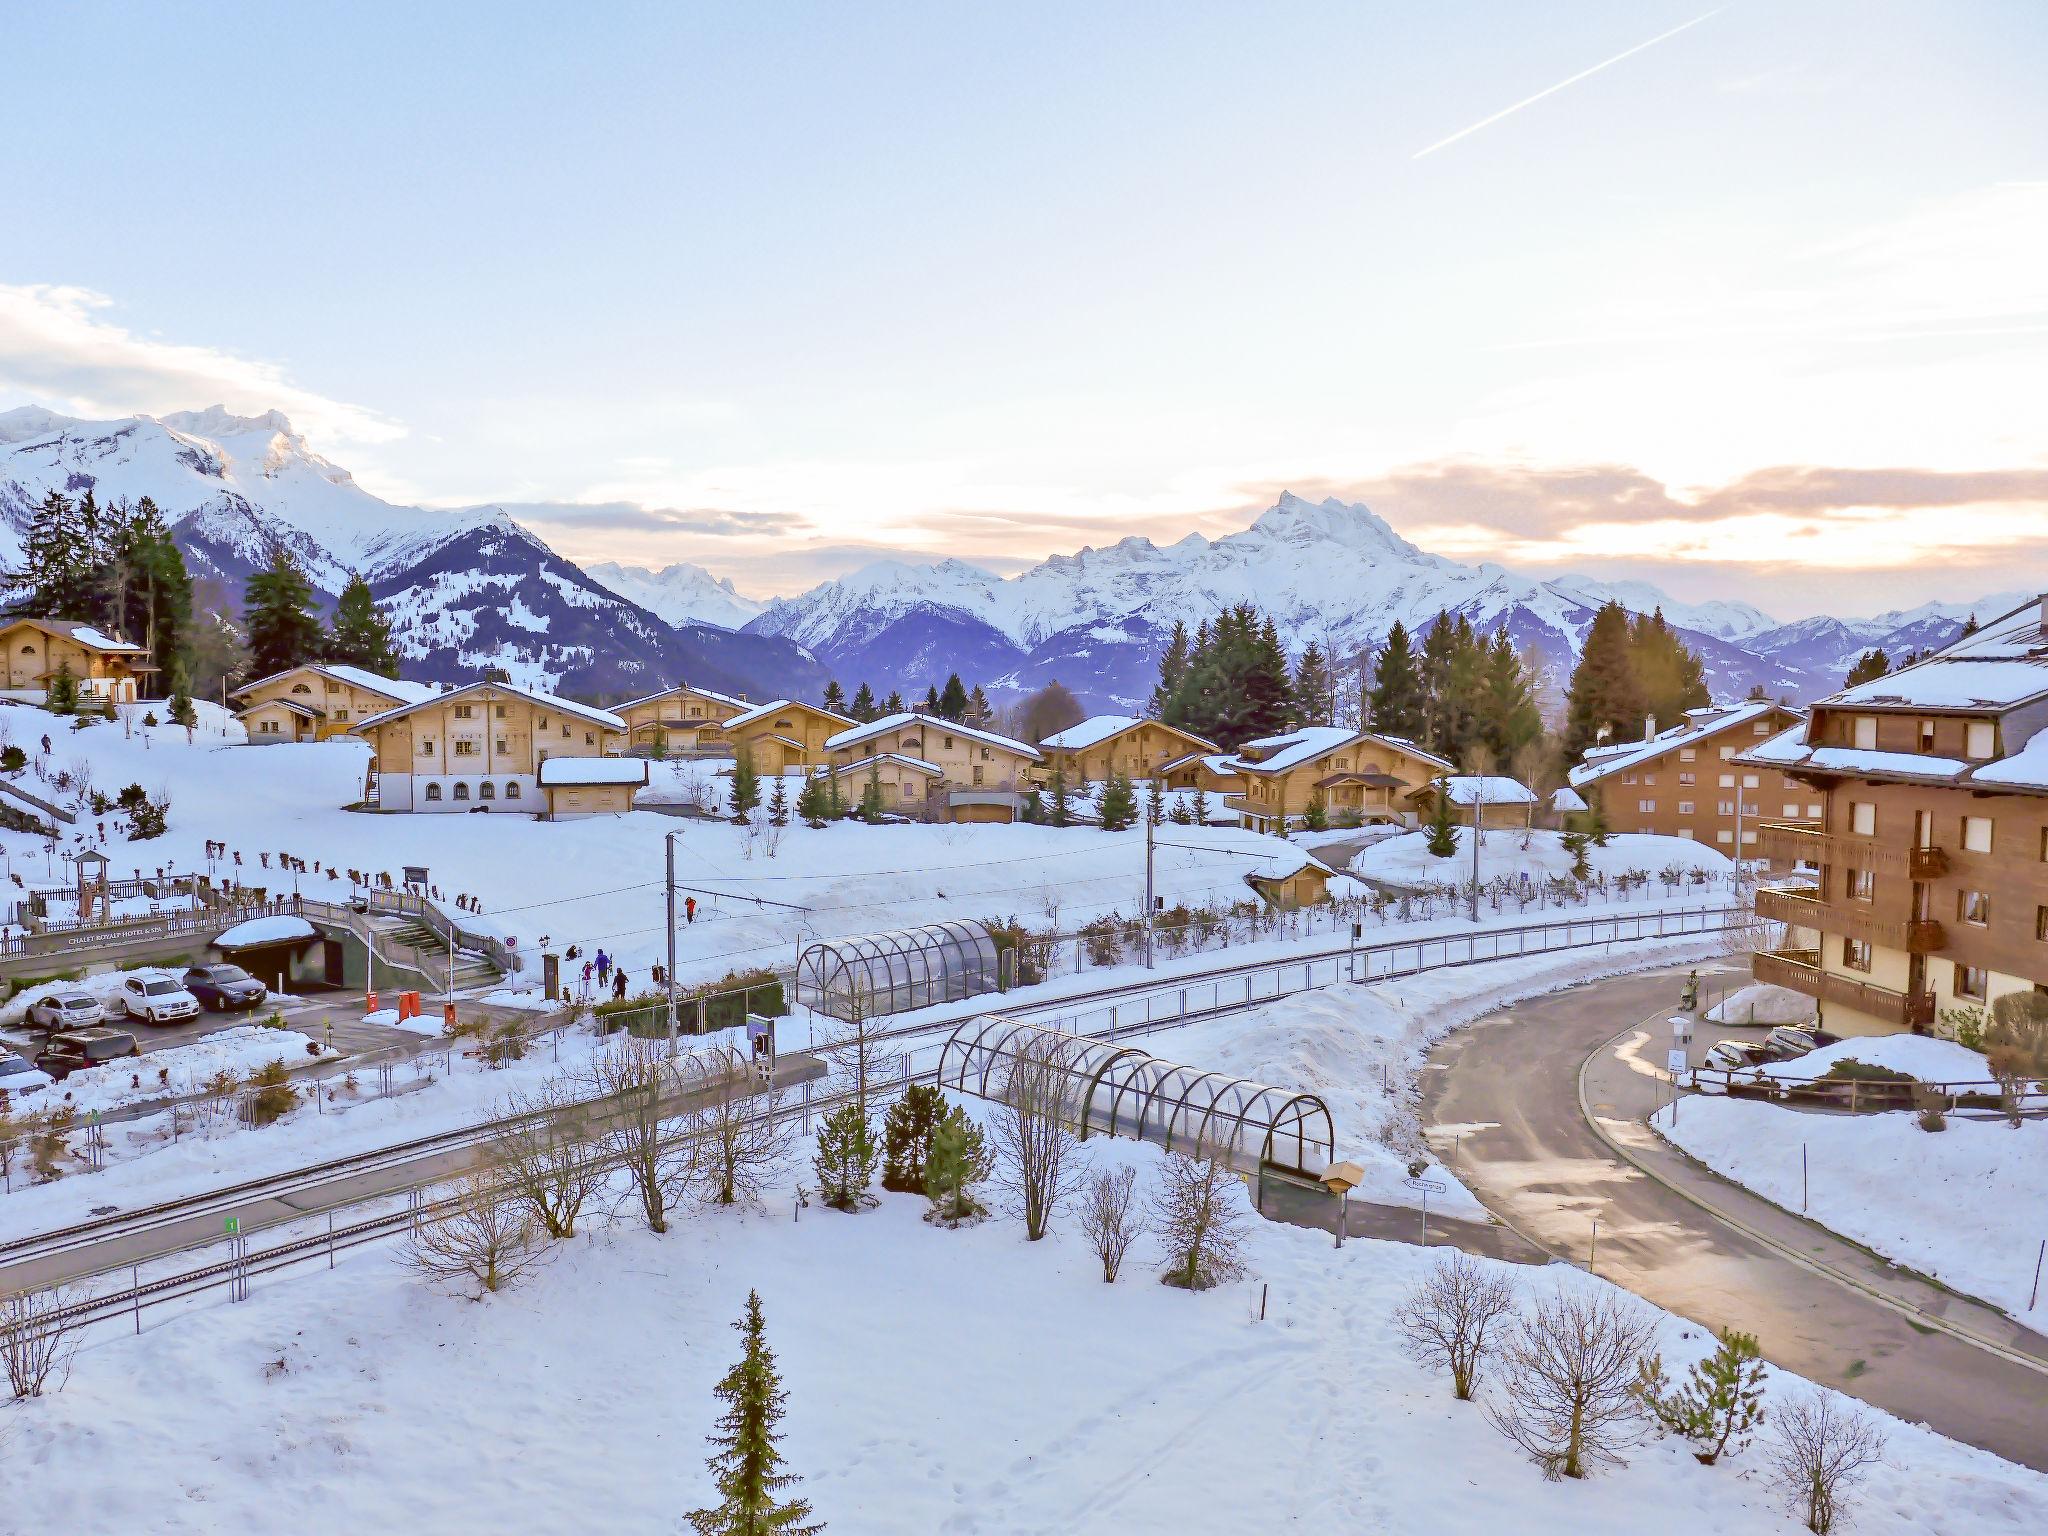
1918	1056
265	930
1406	860
136	1079
1761	1002
1952	1204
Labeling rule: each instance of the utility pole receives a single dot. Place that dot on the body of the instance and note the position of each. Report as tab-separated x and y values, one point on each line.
1478	818
669	846
1148	893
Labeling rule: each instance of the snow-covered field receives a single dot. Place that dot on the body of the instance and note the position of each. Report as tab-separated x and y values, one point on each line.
1406	859
938	1381
182	1070
1762	1003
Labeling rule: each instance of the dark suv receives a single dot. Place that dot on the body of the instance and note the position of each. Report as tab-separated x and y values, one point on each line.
76	1049
221	987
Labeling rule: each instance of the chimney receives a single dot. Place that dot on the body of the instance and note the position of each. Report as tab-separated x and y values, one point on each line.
1649	727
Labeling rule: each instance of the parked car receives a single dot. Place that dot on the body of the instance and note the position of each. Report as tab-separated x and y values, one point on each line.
78	1048
20	1077
1788	1043
154	999
1733	1056
221	987
68	1009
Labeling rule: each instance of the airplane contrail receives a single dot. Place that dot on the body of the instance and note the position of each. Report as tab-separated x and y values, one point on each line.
1486	122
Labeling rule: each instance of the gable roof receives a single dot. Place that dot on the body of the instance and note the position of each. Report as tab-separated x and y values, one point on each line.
900	759
1487	789
762	711
887	723
1313	741
690	688
1599	762
356	677
87	635
601	717
563	772
1097	729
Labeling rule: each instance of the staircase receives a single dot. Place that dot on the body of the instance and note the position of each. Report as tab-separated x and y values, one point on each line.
430	954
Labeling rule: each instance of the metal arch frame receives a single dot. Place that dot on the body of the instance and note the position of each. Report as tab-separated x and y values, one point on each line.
1179	1107
936	963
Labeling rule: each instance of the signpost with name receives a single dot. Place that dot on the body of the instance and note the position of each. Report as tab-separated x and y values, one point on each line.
761	1041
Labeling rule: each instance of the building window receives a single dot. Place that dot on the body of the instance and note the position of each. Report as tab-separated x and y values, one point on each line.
1977	834
341	714
465	749
565	732
1686	780
333	686
1979	739
1685	807
1647	807
977	773
1724	836
1727	781
589	740
487	790
433	791
1761	728
1866	733
499	712
1855	955
1970	982
502	748
1686	754
462	792
1926	735
1863	818
300	688
464	711
1724	807
1628	778
2041	924
512	790
1726	753
1974	908
1815	812
426	746
1749	781
1859	884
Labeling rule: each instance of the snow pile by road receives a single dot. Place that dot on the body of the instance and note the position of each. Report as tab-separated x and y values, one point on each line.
1406	860
937	1381
280	929
182	1070
1761	1002
1954	1204
1920	1057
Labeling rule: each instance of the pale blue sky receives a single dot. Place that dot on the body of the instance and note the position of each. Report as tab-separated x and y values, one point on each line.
997	281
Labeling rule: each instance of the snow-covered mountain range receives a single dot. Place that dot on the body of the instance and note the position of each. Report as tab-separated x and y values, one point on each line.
466	589
474	587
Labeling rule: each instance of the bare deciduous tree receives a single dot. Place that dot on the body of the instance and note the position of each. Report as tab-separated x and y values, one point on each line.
549	1160
744	1142
37	1339
1111	1218
1198	1214
2016	1048
1821	1449
1568	1376
1454	1317
863	1059
1038	1165
485	1238
635	1081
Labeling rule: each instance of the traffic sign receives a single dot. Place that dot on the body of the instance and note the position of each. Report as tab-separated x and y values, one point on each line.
234	1226
1675	1062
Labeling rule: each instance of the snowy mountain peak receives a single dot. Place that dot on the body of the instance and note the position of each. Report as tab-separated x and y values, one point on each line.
219	421
678	594
1298	520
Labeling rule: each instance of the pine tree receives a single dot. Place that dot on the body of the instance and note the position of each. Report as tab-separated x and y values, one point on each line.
1173	667
835	697
863	707
1721	1402
150	591
813	804
1200	806
778	804
361	636
1316	815
60	696
871	797
1510	718
978	711
1155	800
931	700
278	611
835	800
845	1164
1603	691
1119	805
181	711
953	701
958	1160
907	1137
1670	678
1868	668
1394	702
1315	688
1058	812
1442	838
894	706
746	1465
745	795
55	580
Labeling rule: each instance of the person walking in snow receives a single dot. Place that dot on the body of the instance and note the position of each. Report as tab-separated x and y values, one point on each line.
689	909
604	968
619	984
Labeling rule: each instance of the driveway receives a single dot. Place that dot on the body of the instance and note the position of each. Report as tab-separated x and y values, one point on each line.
1503	1099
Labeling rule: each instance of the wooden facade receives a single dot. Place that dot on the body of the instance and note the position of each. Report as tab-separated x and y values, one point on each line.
922	755
784	734
682	719
1353	773
107	669
1686	783
480	746
1090	752
316	703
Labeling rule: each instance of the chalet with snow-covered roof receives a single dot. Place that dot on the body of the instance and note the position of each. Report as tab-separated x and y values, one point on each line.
1357	777
1106	744
1490	799
1684	781
318	701
105	668
484	746
1214	773
681	719
1931	840
935	768
784	734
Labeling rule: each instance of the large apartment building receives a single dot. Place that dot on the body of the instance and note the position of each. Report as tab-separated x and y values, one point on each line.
318	701
1686	781
485	746
1932	842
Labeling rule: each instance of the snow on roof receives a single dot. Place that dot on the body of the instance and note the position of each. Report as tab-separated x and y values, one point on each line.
899	758
1311	742
1093	731
702	693
559	772
1568	799
1959	683
603	717
1601	761
372	682
1224	763
888	723
265	930
85	634
763	711
2025	769
1488	789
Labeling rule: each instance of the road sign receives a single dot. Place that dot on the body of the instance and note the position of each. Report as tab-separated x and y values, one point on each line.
234	1226
1675	1062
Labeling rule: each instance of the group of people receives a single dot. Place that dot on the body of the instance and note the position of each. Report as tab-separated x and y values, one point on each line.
603	970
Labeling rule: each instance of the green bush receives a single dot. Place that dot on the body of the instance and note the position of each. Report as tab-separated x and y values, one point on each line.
755	991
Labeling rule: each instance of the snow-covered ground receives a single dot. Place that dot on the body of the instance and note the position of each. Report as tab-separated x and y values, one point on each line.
1761	1002
938	1381
182	1070
1406	859
1921	1057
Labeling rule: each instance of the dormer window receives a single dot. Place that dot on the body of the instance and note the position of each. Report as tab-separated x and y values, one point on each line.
1980	739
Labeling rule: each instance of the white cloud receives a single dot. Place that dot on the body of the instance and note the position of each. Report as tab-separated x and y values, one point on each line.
60	348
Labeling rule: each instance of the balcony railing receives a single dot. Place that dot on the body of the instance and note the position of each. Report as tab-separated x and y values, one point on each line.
1919	936
1806	842
1800	970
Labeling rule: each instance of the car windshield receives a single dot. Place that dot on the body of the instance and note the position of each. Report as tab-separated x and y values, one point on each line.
227	973
11	1066
158	988
79	1004
105	1050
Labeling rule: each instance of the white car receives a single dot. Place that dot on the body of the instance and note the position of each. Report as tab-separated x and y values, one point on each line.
68	1009
20	1077
155	1000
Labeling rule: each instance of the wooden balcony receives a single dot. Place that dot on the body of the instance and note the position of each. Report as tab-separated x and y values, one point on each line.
1804	841
1800	970
1917	936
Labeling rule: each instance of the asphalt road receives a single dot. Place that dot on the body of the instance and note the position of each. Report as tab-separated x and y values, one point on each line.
1505	1093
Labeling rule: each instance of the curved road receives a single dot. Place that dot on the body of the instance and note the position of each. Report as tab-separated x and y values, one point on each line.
1503	1098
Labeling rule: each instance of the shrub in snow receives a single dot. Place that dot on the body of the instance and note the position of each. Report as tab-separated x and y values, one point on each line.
1111	1218
1569	1373
958	1161
37	1341
636	1077
1454	1317
1037	1154
12	759
1821	1451
484	1238
845	1164
907	1137
272	1096
2016	1046
545	1160
1198	1216
743	1140
1721	1401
